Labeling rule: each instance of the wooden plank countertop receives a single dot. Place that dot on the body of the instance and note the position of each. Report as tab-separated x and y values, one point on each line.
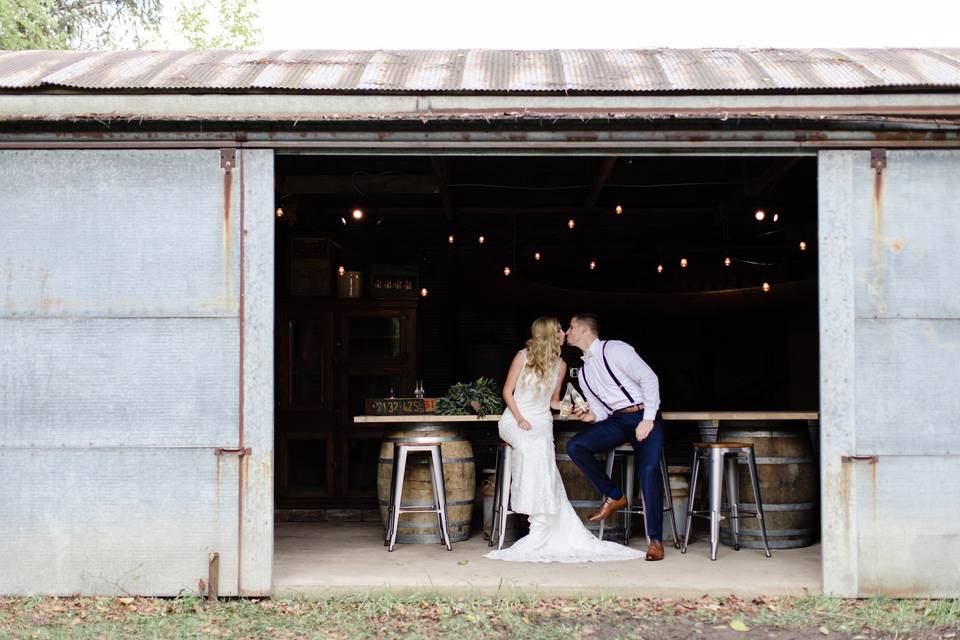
667	415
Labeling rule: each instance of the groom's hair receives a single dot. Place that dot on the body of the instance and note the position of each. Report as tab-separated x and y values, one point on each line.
589	319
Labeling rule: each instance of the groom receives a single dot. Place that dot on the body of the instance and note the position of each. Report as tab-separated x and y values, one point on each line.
624	398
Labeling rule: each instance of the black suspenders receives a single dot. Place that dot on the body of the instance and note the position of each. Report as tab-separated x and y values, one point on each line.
603	355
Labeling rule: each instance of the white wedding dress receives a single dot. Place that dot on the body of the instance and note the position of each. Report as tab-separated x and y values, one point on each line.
556	532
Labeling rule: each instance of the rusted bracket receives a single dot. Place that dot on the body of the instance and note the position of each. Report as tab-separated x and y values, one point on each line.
228	159
870	459
878	160
220	451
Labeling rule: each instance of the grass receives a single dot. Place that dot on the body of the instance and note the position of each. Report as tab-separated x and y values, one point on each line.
386	615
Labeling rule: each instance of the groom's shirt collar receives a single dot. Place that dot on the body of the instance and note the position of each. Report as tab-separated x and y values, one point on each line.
593	351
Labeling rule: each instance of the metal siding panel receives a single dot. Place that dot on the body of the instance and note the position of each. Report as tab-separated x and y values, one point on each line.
115	522
256	574
907	238
117	233
908	387
909	533
839	174
119	382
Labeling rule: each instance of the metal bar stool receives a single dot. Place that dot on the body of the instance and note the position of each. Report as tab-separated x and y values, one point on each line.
400	452
501	496
628	473
722	458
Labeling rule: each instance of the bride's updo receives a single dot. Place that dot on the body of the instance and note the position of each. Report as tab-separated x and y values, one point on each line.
543	347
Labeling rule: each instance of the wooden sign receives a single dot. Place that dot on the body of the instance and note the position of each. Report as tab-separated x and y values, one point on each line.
400	406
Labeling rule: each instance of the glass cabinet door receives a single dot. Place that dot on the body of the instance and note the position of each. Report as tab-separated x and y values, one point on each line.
375	337
309	356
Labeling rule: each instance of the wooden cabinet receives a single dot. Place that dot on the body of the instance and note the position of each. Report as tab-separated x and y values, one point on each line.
332	355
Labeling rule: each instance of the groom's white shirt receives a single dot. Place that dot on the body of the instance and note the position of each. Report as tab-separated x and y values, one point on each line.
634	374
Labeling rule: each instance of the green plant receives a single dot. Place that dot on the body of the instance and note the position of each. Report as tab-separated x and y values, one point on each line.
464	398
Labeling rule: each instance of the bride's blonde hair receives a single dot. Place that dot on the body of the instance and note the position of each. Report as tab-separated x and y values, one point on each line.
543	348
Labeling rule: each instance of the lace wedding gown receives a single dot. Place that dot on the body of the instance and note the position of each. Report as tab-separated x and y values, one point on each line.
556	532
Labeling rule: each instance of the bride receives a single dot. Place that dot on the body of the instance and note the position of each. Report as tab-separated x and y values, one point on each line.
532	388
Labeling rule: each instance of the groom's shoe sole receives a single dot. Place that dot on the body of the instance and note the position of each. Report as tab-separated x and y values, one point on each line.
607	508
655	552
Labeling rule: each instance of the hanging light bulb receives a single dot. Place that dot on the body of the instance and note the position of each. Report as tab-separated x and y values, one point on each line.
357	214
803	246
343	220
279	212
423	292
450	239
760	215
618	209
536	256
776	217
766	287
481	239
571	223
659	268
683	263
726	262
593	264
341	270
506	271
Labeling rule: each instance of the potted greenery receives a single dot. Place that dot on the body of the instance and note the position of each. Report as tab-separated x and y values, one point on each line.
465	398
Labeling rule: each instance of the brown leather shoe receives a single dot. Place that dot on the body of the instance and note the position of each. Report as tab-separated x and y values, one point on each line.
655	551
608	507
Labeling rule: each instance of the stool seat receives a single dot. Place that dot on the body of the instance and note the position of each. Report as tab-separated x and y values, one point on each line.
401	451
629	474
721	459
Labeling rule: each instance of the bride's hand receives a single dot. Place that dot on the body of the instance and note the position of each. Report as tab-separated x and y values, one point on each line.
524	424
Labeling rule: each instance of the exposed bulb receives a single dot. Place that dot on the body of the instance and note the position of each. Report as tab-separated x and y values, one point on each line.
279	212
618	209
766	287
536	256
593	264
506	271
571	223
481	239
803	246
343	220
760	215
450	239
683	263
423	292
357	214
341	270
726	262
776	217
659	268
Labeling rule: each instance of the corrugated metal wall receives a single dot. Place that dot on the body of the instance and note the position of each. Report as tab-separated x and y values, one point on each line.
890	395
120	371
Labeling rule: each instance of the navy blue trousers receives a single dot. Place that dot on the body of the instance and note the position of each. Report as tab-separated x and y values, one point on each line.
611	433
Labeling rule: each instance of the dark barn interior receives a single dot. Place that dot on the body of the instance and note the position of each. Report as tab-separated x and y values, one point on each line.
668	251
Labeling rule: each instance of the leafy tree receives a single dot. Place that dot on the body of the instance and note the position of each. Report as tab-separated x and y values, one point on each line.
235	26
77	24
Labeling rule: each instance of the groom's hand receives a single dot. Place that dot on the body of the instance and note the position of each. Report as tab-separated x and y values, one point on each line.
644	429
587	416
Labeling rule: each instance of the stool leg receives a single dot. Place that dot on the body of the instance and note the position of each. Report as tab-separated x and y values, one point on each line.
611	457
400	463
630	487
668	500
504	499
434	489
498	476
441	493
715	478
755	481
733	497
390	505
694	469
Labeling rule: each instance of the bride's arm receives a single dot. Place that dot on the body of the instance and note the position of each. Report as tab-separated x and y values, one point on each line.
555	398
508	387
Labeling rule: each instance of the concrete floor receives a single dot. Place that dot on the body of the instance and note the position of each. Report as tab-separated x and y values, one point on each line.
317	559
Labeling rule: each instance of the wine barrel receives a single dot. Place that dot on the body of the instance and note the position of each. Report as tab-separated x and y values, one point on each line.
582	495
788	474
459	477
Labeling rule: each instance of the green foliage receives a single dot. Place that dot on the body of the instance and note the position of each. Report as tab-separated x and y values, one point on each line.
464	398
234	28
77	24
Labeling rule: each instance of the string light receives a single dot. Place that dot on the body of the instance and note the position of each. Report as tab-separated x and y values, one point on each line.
726	262
776	217
536	256
760	215
481	239
450	239
341	270
683	263
571	223
343	220
506	271
766	287
659	268
424	292
593	264
618	209
357	214
803	246
279	212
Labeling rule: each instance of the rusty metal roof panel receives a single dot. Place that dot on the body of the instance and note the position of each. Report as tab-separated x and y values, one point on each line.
485	70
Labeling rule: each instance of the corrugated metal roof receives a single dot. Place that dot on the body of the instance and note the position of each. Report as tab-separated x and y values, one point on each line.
486	71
